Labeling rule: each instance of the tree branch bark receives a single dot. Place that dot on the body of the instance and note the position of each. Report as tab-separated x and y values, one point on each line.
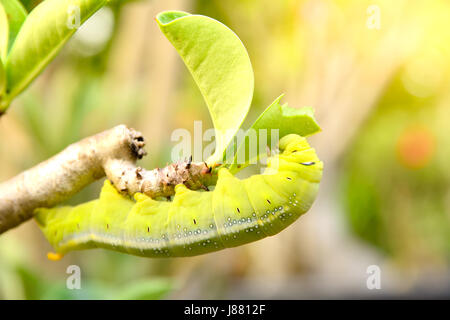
112	153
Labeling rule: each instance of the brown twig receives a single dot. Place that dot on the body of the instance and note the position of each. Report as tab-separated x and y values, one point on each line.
112	153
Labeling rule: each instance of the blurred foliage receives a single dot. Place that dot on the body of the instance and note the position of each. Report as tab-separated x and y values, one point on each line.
37	288
393	171
20	279
396	181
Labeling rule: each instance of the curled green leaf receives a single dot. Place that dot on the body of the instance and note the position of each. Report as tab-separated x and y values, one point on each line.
2	83
219	64
4	33
284	119
16	16
47	28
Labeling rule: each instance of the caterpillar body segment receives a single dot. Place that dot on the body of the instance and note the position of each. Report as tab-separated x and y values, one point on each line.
267	204
233	212
191	224
236	212
145	227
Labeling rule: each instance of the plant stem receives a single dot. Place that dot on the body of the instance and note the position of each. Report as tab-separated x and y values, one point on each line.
112	153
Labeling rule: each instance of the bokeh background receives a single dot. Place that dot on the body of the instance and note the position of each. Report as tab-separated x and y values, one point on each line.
377	74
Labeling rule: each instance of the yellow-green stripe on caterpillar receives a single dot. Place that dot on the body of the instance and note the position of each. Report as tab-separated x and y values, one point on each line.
236	212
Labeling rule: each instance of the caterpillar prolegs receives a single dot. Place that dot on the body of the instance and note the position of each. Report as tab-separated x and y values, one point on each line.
236	212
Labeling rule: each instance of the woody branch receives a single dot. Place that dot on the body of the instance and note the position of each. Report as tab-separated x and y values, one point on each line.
112	153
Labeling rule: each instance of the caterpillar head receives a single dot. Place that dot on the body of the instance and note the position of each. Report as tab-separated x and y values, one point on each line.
292	143
295	151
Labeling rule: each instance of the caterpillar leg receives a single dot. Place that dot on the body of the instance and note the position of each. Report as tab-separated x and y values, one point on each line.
53	256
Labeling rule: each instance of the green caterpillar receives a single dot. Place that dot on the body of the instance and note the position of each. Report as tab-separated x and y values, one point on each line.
236	212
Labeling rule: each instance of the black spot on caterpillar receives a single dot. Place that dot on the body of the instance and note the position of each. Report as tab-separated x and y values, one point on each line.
236	212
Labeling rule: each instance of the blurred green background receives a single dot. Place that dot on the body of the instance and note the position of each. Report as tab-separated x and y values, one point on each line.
380	89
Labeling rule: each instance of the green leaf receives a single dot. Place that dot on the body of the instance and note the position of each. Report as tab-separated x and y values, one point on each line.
16	16
2	82
47	28
285	119
3	34
219	64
